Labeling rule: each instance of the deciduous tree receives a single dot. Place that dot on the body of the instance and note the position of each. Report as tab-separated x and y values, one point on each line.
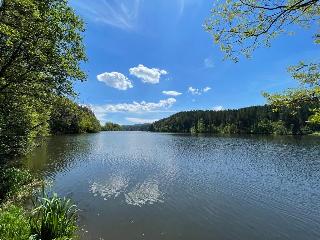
41	51
241	26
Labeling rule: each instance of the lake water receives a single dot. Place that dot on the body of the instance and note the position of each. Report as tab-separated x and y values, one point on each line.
139	185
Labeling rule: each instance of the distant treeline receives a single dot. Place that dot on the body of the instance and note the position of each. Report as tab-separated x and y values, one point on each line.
136	127
109	126
250	120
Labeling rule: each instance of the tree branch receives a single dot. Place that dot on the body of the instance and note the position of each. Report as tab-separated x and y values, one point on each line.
13	56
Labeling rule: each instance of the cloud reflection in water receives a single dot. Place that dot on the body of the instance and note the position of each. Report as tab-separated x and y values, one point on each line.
111	189
146	193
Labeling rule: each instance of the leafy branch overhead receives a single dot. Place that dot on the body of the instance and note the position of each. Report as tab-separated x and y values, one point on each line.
307	94
240	27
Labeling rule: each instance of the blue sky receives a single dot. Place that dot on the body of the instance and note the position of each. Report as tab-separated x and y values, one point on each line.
151	58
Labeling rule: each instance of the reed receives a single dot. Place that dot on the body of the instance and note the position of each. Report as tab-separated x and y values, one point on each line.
53	218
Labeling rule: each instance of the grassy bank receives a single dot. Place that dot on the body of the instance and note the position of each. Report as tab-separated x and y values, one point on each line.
49	217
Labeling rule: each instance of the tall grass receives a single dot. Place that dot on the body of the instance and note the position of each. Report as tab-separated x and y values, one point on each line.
53	218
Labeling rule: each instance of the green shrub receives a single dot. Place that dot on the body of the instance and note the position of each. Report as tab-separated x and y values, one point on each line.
279	128
315	118
14	224
53	218
230	129
23	121
306	130
263	127
13	182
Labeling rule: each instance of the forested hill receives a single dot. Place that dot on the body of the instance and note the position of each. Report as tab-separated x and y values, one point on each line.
256	119
136	127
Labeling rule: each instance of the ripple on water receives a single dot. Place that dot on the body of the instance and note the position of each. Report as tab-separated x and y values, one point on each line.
238	187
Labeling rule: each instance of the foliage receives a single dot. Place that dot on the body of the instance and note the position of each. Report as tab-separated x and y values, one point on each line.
14	221
53	218
88	123
199	127
308	76
14	183
279	128
193	130
109	126
14	224
263	127
68	117
137	127
41	47
41	51
241	26
316	117
256	120
23	120
230	129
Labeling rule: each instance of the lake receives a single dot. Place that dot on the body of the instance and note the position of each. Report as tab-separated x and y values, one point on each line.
140	185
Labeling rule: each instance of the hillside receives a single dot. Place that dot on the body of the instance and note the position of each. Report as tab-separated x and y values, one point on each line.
256	120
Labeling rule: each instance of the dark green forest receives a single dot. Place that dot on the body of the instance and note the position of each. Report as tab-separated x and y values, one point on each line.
112	127
136	127
249	120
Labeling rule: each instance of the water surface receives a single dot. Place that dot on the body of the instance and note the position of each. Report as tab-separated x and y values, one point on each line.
138	185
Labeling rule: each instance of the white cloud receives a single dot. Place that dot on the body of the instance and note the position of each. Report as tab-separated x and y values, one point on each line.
102	110
121	14
115	80
172	93
197	91
194	91
141	120
217	108
147	75
206	89
208	63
